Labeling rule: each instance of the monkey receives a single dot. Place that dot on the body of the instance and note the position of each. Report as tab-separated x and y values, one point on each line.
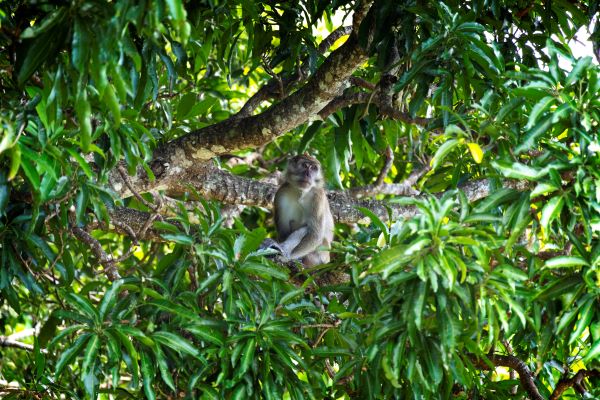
302	215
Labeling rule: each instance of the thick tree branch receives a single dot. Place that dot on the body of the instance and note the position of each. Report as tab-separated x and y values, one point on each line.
234	134
272	88
525	376
184	154
577	382
223	186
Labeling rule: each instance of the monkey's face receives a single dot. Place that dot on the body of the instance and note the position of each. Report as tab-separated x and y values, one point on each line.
304	172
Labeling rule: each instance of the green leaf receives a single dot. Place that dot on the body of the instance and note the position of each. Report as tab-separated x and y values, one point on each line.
538	109
565	262
15	162
376	221
179	238
132	360
163	366
530	139
186	103
443	151
110	298
578	70
585	317
207	334
110	98
70	353
593	352
264	271
83	305
517	170
551	211
508	108
174	309
84	117
247	357
177	343
35	51
148	373
31	173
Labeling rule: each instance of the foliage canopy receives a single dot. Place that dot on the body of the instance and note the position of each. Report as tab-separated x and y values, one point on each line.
481	94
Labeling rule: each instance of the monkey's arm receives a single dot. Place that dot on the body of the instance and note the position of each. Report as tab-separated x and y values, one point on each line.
314	230
292	242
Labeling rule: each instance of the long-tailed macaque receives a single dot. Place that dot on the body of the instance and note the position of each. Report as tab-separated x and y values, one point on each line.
302	215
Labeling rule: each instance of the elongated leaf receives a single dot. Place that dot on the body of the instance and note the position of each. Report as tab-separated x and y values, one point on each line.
565	262
518	171
551	211
83	305
174	309
538	109
585	317
264	271
163	366
110	298
132	360
176	343
593	352
376	221
578	70
443	151
148	373
68	355
247	357
208	334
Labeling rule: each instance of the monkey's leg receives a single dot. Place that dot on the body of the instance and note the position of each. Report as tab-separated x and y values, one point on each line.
307	245
292	241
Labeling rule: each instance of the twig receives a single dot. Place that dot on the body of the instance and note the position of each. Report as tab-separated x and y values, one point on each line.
106	260
8	342
138	196
404	188
577	382
349	98
387	165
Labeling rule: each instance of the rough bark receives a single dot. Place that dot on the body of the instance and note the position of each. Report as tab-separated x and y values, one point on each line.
213	183
525	376
189	152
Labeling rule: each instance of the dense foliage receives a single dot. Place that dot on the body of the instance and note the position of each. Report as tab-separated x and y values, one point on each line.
202	313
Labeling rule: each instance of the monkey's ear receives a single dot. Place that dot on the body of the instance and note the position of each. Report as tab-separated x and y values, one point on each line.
306	154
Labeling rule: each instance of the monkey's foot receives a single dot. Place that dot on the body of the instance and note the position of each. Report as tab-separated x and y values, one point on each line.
269	243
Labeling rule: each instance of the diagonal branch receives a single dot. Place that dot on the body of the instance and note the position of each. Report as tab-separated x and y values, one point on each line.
350	97
577	382
272	88
525	376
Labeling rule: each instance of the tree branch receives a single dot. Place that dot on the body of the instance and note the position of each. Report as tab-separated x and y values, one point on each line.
350	97
190	151
271	88
576	382
6	342
223	186
525	376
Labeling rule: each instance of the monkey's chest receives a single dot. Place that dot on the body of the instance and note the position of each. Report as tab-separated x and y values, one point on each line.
296	212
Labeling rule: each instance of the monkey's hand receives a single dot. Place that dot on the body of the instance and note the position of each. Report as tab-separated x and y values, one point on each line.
269	243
